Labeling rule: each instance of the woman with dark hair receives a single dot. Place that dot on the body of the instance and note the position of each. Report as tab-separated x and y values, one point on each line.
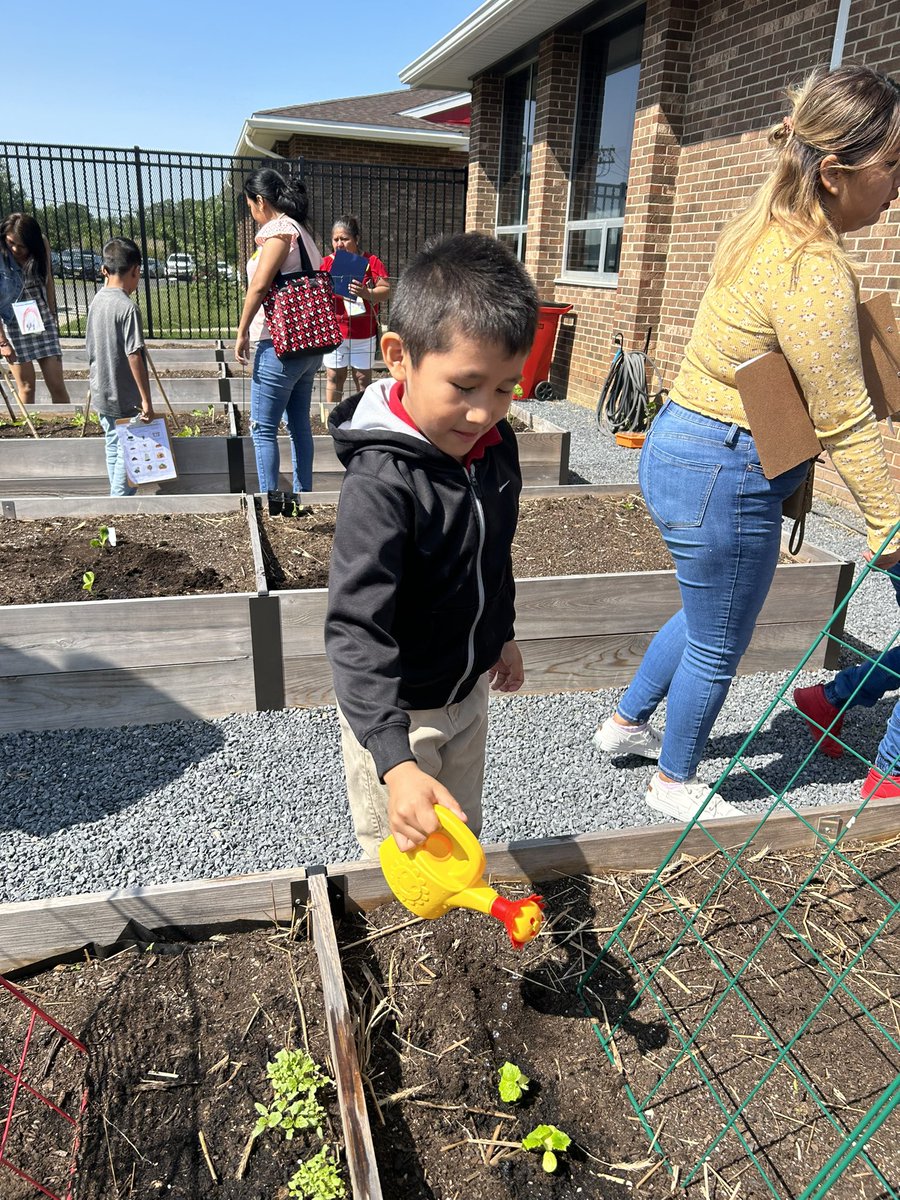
358	317
280	388
27	253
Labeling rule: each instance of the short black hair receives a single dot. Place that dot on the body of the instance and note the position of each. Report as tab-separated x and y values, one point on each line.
466	283
120	255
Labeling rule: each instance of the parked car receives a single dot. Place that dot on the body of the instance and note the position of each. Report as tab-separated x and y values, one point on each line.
55	263
155	269
180	266
80	264
226	271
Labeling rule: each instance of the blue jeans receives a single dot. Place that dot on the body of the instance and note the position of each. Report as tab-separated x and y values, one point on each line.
866	683
282	389
721	520
115	459
871	681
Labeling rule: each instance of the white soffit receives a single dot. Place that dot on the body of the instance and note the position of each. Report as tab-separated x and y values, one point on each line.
496	29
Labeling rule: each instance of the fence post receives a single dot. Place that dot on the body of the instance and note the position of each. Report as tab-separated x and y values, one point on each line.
148	295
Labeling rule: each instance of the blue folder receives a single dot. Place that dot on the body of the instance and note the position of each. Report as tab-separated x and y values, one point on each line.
345	268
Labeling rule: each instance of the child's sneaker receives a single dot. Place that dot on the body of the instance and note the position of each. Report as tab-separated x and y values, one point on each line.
878	786
619	740
812	703
683	800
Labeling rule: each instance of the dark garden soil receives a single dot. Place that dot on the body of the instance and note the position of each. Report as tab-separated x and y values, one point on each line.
200	422
179	1036
178	1039
575	535
154	555
449	1002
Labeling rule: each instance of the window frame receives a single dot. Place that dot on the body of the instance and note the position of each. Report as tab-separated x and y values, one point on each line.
599	278
519	230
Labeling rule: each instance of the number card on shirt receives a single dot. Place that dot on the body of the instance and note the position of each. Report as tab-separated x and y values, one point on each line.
147	451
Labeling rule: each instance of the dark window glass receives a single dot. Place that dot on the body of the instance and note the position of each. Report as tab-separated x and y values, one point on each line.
516	139
607	101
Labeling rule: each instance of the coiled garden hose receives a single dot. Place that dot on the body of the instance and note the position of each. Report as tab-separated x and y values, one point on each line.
625	402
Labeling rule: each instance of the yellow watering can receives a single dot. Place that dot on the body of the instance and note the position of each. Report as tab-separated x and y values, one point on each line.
446	871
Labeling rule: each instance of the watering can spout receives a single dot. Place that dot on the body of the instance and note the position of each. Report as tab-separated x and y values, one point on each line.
447	871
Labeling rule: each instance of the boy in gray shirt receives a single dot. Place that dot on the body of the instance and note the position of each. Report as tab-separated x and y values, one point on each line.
120	385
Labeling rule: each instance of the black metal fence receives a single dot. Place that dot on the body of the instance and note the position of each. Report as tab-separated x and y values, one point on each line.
187	213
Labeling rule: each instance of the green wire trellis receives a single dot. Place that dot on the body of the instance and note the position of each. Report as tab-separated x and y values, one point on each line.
688	1022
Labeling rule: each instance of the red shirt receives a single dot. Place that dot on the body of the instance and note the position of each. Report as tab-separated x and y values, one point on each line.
365	325
491	438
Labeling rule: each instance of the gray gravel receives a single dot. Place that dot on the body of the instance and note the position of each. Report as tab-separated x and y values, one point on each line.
91	810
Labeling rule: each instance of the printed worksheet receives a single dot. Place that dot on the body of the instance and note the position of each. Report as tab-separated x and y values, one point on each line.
147	450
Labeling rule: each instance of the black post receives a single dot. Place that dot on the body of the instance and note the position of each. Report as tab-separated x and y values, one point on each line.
142	218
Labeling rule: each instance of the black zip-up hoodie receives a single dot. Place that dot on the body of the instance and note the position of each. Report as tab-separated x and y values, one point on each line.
421	596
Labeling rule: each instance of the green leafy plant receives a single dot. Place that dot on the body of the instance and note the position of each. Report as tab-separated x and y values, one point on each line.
78	419
318	1179
209	411
188	431
103	538
549	1139
295	1079
87	582
513	1083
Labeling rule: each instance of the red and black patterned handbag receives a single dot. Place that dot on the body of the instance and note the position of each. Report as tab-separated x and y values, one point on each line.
299	310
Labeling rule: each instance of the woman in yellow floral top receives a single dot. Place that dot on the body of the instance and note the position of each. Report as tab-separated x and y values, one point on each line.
781	280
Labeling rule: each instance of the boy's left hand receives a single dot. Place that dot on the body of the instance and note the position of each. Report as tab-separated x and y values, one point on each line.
508	672
147	413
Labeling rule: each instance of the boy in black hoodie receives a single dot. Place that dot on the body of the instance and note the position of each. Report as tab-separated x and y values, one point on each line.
421	595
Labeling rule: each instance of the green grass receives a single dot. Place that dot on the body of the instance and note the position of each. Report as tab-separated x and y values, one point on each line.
206	308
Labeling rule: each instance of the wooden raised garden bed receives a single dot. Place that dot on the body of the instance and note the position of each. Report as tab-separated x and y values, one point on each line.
111	662
76	466
419	1016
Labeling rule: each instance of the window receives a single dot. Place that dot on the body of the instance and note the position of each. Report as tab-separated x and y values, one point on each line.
516	138
604	126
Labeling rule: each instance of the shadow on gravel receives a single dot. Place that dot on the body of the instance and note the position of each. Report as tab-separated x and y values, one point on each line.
778	750
51	780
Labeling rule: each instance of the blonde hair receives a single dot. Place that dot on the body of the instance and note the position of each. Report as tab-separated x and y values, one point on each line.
853	113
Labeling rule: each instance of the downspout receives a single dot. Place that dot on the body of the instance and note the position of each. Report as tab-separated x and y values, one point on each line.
840	34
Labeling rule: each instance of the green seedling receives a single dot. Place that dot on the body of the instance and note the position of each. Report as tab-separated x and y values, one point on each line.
87	582
513	1083
188	431
318	1179
549	1139
78	419
103	538
295	1079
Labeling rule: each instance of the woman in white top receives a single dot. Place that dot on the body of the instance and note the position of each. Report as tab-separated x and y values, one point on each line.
280	389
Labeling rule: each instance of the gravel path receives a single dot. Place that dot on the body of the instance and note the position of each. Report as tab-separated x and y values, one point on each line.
90	810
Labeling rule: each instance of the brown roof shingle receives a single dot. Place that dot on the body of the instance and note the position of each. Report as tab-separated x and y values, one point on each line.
382	109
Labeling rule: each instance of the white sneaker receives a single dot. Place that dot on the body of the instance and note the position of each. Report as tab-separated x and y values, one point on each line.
684	801
617	740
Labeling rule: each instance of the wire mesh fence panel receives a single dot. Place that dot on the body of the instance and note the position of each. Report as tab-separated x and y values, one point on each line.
188	215
42	1098
745	997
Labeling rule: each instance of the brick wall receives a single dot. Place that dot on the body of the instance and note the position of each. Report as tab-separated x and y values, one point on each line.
353	150
713	76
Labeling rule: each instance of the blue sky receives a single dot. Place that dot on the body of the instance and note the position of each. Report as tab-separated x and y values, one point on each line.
183	75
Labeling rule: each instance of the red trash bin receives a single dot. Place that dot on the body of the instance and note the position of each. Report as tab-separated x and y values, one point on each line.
537	364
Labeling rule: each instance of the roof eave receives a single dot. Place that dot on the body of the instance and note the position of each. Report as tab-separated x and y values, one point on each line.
282	128
477	43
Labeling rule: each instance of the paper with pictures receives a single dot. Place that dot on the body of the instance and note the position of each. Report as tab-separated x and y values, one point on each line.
355	308
28	316
147	451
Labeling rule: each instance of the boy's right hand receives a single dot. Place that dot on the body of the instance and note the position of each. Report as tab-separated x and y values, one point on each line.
147	413
412	795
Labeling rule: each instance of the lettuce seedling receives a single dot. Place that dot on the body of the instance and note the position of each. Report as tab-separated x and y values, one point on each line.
549	1139
103	538
295	1079
513	1083
87	582
318	1179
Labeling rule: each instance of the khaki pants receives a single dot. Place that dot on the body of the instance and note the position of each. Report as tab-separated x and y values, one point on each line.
449	745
